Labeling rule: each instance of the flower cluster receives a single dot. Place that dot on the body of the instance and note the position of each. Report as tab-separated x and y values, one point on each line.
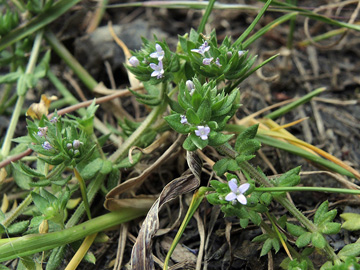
154	63
202	113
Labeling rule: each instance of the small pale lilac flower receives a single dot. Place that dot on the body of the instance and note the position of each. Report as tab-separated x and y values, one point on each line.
217	62
134	61
190	85
159	54
183	119
76	144
202	132
158	70
202	49
46	145
42	131
241	53
54	120
207	61
237	192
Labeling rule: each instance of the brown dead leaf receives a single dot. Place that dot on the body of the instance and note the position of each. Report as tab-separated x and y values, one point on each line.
37	110
141	256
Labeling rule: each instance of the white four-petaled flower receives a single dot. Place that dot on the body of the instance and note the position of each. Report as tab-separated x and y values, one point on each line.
46	145
202	49
159	54
183	119
158	70
202	132
207	61
237	192
42	131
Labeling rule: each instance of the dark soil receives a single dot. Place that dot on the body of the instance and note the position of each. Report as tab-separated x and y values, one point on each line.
333	124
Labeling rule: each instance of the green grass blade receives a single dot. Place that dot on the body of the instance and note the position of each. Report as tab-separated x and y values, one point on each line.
204	19
252	25
37	22
294	104
195	202
269	27
31	244
294	150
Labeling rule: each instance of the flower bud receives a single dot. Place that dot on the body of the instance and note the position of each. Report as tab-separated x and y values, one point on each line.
76	144
134	61
229	54
68	145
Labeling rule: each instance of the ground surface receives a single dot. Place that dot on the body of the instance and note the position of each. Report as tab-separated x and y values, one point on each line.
333	123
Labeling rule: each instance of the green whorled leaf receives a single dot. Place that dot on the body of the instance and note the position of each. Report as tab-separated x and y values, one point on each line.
56	160
204	111
194	36
352	221
24	139
260	238
42	68
282	221
266	247
189	145
92	168
290	178
217	138
294	229
213	198
244	222
321	211
40	202
18	227
246	135
48	196
276	244
61	181
330	228
328	217
259	208
125	163
106	167
318	240
192	117
218	186
249	147
254	217
21	179
266	198
42	183
350	250
56	258
11	77
29	171
174	122
39	149
241	158
200	143
303	239
225	164
174	105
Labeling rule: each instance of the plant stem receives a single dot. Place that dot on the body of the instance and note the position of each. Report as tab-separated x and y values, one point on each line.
206	15
319	189
150	119
31	244
19	210
70	60
21	98
263	180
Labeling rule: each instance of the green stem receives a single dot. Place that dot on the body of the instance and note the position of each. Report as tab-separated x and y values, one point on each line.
70	60
83	192
21	98
263	180
150	119
319	189
19	210
31	244
206	15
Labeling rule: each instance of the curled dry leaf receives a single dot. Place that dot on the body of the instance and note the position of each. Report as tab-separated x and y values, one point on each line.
141	256
37	110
